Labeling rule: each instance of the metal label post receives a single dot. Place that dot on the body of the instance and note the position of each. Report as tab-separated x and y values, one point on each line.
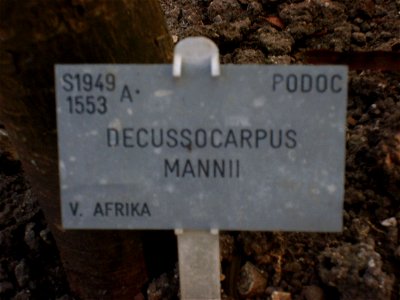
199	264
199	261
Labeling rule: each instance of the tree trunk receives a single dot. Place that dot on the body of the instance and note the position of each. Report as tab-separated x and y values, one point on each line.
35	35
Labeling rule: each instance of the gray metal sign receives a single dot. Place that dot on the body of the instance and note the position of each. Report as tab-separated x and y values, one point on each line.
256	148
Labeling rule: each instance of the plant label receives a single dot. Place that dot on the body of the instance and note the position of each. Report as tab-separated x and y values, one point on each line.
257	148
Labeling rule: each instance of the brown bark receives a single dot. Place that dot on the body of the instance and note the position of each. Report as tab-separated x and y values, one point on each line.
35	35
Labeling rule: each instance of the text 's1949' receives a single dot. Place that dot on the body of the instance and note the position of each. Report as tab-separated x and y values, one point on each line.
87	82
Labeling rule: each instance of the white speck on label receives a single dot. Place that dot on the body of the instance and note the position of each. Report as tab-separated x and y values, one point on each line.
129	111
94	132
289	205
62	165
78	197
170	188
157	151
163	93
212	117
259	102
218	139
292	155
281	170
64	187
331	188
103	181
72	158
116	123
238	121
315	191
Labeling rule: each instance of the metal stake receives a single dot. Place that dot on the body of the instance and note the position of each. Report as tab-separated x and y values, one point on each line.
199	261
199	265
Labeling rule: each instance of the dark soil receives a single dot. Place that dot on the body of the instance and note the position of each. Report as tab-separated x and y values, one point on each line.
362	262
29	264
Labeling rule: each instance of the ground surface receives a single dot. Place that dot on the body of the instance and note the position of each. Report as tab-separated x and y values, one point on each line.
361	263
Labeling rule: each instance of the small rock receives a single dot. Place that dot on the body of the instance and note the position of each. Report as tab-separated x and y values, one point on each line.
45	234
385	35
163	287
341	38
312	292
234	31
380	11
281	296
390	222
30	237
252	281
369	36
365	27
22	273
3	132
355	28
359	38
292	267
254	8
5	287
274	41
280	60
226	9
218	19
23	295
249	56
227	246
